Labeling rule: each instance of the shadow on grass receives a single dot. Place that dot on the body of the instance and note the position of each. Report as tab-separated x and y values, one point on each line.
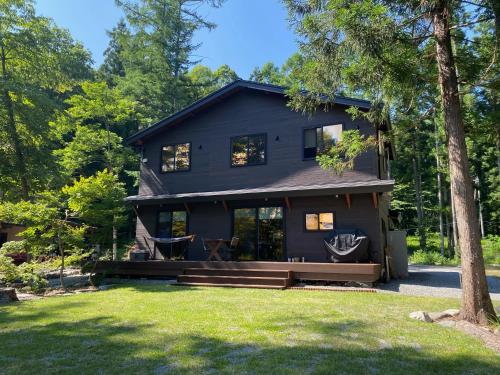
110	346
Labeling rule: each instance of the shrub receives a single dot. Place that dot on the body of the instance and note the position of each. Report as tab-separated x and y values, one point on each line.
8	270
13	247
491	249
32	276
431	257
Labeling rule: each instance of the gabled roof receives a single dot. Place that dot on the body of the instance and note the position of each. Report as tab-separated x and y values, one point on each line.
225	91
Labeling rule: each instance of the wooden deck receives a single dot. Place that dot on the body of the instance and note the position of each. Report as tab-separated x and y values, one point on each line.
360	272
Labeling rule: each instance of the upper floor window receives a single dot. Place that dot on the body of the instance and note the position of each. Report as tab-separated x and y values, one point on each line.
317	140
248	150
176	157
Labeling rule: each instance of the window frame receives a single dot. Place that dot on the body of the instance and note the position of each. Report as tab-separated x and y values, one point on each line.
174	146
342	124
171	211
247	164
334	213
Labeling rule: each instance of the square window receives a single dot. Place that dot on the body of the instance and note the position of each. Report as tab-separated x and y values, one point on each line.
320	139
312	222
176	157
248	150
326	221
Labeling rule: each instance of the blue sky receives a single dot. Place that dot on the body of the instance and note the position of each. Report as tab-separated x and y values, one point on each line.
249	32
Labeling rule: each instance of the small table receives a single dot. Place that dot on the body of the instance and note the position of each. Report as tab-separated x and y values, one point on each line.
214	245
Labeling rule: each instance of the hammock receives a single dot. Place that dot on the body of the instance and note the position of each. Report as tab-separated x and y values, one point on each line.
172	239
347	246
167	253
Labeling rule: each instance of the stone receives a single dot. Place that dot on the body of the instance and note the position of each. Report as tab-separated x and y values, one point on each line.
8	295
421	315
446	323
452	312
496	331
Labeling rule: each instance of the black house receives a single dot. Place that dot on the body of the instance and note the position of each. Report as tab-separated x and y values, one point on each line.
240	162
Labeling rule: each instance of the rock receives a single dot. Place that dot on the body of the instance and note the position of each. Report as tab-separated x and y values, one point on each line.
421	315
446	323
452	312
496	331
8	295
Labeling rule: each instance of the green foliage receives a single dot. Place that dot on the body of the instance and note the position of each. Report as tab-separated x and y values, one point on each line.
14	247
432	258
432	255
158	52
29	274
41	64
204	80
343	154
8	270
491	249
99	201
286	75
44	221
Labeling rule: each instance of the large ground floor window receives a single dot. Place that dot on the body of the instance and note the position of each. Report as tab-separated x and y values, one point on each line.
172	224
261	233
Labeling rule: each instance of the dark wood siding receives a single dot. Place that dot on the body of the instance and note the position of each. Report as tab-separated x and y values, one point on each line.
248	112
210	220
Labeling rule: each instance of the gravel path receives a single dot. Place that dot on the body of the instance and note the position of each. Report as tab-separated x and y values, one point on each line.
435	281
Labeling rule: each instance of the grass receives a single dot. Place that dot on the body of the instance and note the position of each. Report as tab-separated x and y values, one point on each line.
159	329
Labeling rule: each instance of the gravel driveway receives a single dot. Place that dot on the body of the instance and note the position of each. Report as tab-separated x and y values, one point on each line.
435	281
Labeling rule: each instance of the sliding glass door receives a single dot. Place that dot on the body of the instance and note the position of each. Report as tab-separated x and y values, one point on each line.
261	233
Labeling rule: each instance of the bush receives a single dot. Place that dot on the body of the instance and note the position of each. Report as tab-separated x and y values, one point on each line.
30	274
491	249
73	260
8	270
431	257
13	247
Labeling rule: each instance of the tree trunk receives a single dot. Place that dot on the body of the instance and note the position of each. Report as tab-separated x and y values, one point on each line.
61	252
418	192
440	190
12	131
115	243
476	301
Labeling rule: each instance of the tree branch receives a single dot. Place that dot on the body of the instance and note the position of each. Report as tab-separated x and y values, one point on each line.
472	22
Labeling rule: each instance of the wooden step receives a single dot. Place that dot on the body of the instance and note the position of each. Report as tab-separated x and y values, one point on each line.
245	280
238	272
232	285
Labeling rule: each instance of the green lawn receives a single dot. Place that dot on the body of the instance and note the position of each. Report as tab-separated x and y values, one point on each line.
159	329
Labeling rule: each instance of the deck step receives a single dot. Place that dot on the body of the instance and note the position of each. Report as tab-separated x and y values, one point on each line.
238	272
245	280
232	285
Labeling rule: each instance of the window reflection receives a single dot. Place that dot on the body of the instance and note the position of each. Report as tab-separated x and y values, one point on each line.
323	221
176	157
321	139
248	150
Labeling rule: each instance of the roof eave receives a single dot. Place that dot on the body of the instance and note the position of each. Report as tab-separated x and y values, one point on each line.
381	187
